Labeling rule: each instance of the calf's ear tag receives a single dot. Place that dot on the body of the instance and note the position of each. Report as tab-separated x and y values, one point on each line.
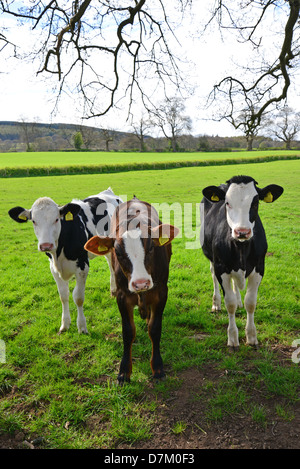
22	217
69	216
102	248
163	240
214	198
269	197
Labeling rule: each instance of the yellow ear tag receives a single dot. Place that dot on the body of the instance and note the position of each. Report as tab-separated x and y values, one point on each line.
269	197
69	216
214	198
102	248
22	217
163	240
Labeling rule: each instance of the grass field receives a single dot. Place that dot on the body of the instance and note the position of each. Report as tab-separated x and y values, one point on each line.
63	388
64	163
40	159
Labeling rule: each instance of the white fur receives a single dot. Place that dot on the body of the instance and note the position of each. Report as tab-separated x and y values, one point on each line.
233	300
216	306
136	254
46	221
239	197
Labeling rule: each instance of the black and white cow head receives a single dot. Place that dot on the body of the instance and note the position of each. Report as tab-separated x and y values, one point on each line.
46	217
241	198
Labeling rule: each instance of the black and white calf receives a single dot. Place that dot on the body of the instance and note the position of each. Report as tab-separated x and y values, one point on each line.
62	233
233	239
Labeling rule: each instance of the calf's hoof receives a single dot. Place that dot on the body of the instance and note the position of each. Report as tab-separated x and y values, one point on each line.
233	348
254	346
123	378
158	376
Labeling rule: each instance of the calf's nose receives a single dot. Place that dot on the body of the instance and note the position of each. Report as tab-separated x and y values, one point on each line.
141	284
46	247
242	233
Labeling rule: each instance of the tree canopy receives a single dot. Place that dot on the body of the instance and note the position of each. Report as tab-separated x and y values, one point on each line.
104	50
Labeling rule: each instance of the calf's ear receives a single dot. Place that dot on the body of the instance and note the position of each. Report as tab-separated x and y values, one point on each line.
20	214
270	193
213	193
69	211
99	245
164	234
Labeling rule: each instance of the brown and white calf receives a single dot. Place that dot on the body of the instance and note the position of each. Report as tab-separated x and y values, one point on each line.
234	240
62	233
140	247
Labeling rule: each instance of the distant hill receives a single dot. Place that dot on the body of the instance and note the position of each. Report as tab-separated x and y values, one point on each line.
33	136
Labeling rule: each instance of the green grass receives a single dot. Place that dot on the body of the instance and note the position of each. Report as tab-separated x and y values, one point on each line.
56	163
96	158
64	387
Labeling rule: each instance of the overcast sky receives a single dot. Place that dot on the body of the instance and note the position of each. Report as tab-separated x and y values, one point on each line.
23	94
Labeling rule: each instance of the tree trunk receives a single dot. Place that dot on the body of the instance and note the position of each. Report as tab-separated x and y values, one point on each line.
249	143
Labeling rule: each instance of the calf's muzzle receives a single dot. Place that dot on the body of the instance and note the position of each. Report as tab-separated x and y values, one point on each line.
141	285
44	247
242	233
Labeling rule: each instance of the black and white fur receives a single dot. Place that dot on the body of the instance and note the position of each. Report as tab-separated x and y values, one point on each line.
233	239
62	233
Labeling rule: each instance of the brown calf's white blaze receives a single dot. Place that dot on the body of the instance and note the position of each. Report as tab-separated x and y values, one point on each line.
141	253
140	279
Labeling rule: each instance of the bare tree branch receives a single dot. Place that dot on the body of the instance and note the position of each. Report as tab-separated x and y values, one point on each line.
127	36
272	82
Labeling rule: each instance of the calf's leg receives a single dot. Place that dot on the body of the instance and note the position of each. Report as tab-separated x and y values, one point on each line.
154	330
78	297
254	280
237	294
231	306
128	332
216	305
63	290
113	287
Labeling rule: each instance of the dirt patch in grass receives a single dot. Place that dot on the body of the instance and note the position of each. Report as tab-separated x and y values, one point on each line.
182	423
237	431
182	419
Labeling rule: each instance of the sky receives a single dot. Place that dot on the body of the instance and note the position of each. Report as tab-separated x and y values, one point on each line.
26	95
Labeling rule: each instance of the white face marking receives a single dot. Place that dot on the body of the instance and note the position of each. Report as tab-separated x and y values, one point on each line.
46	223
136	254
238	201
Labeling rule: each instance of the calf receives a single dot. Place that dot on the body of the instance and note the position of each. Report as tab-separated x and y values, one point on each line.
233	239
62	233
141	251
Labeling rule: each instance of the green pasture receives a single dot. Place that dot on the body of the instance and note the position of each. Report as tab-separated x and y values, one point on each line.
60	159
63	387
56	163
